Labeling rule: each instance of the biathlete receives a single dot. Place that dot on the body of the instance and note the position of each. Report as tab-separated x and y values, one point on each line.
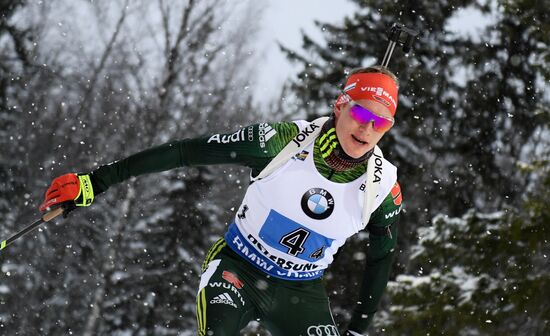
314	184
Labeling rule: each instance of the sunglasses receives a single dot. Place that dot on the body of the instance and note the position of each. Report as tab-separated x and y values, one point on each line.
365	116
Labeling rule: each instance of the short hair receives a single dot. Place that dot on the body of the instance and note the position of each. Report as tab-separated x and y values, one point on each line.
374	69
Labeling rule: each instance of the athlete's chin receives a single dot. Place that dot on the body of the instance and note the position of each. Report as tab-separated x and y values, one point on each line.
357	151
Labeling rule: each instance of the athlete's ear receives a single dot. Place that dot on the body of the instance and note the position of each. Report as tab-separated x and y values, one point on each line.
338	110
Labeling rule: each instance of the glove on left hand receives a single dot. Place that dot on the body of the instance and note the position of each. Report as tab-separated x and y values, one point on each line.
73	189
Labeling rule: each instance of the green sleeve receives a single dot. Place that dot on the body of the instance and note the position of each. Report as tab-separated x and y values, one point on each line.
252	146
379	260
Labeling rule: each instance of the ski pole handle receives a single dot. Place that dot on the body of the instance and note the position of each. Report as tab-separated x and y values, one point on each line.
52	214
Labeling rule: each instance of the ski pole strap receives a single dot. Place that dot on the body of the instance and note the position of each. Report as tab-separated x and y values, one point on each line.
86	195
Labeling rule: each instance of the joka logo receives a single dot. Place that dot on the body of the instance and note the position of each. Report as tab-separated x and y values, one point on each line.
317	203
232	279
396	194
377	168
304	133
225	299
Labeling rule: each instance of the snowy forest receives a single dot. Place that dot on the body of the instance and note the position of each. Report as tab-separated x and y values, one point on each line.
87	82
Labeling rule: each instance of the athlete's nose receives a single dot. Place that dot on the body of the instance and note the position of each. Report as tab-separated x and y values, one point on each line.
367	127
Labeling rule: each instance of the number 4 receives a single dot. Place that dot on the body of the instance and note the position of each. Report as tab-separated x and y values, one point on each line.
295	241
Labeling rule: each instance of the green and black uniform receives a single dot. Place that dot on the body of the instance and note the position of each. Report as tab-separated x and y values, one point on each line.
284	307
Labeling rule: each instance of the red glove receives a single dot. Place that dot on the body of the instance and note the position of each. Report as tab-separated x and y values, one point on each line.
73	189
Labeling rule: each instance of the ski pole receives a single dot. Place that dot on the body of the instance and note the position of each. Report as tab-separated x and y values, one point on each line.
46	218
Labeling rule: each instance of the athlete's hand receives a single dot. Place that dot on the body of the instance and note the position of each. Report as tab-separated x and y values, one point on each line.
70	190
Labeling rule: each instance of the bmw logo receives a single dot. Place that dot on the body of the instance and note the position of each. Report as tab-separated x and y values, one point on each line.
317	203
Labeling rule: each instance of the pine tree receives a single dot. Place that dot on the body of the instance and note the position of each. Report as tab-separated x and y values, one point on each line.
480	274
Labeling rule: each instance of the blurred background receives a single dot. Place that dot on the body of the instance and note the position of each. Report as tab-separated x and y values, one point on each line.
87	82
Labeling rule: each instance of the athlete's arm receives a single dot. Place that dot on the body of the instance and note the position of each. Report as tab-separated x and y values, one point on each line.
253	146
382	242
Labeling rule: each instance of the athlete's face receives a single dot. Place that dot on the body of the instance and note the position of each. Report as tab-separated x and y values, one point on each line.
356	138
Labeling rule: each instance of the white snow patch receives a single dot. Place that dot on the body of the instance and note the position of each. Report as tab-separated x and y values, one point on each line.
118	276
414	281
467	283
184	254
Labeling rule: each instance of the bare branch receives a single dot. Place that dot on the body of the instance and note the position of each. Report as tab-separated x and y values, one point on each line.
174	55
104	57
165	24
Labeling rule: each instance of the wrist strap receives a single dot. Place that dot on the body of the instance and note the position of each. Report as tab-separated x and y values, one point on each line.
86	195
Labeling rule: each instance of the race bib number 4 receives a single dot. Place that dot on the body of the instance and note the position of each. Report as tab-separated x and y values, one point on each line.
290	237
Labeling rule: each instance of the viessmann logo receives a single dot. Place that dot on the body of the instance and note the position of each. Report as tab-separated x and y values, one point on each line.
380	93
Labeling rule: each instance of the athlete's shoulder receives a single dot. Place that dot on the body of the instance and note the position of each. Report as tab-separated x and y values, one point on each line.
286	130
274	136
296	129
